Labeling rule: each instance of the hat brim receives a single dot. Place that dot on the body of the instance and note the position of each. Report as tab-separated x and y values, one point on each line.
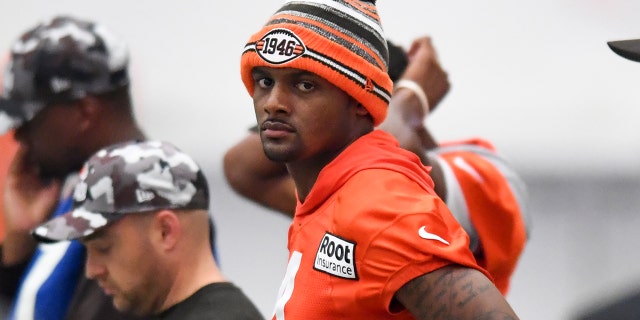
629	49
13	113
8	120
78	223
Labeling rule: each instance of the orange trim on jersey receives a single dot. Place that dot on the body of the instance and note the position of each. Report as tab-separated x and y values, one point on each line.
494	212
478	142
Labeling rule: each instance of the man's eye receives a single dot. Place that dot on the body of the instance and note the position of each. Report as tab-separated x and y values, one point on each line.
101	248
305	86
264	82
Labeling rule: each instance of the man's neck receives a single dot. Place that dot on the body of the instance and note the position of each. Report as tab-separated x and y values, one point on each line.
192	276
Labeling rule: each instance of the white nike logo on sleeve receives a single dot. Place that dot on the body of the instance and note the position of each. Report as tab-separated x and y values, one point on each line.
423	233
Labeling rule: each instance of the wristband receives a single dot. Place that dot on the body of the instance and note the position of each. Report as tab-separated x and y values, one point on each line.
417	90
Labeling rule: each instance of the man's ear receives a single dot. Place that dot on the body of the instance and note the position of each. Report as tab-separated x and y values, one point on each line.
89	108
361	110
167	228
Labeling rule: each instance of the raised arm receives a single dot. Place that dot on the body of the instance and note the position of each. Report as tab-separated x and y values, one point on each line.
483	191
405	119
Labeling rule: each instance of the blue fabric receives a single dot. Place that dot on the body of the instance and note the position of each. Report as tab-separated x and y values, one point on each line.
54	296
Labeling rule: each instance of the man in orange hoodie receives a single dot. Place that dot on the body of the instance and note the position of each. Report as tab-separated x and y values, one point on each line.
482	190
370	239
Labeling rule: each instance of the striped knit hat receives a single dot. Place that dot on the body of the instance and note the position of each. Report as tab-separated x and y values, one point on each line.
340	40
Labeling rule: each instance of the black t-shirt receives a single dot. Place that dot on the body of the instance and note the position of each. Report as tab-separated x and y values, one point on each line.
90	302
221	300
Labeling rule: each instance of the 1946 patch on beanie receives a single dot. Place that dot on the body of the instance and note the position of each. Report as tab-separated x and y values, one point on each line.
340	40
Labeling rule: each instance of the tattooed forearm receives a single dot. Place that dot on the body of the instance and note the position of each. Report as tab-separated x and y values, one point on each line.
454	292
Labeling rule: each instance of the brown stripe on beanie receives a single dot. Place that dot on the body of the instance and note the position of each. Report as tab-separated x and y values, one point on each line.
339	40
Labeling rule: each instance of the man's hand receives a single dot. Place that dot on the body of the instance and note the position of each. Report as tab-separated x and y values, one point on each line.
28	201
425	69
405	118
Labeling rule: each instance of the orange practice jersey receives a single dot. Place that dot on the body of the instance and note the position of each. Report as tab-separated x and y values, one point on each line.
488	199
8	148
371	223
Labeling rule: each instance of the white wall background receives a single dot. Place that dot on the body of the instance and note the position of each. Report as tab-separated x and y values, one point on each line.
535	77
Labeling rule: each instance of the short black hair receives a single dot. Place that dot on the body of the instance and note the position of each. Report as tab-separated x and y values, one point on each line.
398	61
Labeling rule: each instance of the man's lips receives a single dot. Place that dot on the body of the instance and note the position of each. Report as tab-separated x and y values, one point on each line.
275	129
106	289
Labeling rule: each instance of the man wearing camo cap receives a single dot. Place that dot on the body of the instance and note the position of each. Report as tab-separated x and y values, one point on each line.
66	95
141	210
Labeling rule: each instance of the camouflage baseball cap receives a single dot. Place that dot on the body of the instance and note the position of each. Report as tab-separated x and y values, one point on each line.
60	60
128	178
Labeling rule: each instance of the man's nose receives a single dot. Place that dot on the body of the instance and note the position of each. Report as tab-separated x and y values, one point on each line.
277	100
93	269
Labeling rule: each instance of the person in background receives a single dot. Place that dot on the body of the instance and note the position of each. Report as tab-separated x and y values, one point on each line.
141	211
482	190
370	238
66	92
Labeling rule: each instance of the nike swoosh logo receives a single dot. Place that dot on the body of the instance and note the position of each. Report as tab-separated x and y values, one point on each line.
423	233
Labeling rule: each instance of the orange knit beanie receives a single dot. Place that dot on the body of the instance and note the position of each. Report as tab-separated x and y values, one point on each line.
340	40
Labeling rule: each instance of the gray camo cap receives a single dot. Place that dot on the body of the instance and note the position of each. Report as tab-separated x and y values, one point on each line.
60	60
128	178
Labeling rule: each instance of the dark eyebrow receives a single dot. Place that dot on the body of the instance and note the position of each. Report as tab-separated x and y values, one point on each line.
259	71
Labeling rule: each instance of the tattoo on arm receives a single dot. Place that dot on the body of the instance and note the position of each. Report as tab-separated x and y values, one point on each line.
454	292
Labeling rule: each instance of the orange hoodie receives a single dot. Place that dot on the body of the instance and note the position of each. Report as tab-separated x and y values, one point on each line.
370	224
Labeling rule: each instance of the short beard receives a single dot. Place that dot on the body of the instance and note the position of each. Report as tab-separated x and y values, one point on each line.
277	157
